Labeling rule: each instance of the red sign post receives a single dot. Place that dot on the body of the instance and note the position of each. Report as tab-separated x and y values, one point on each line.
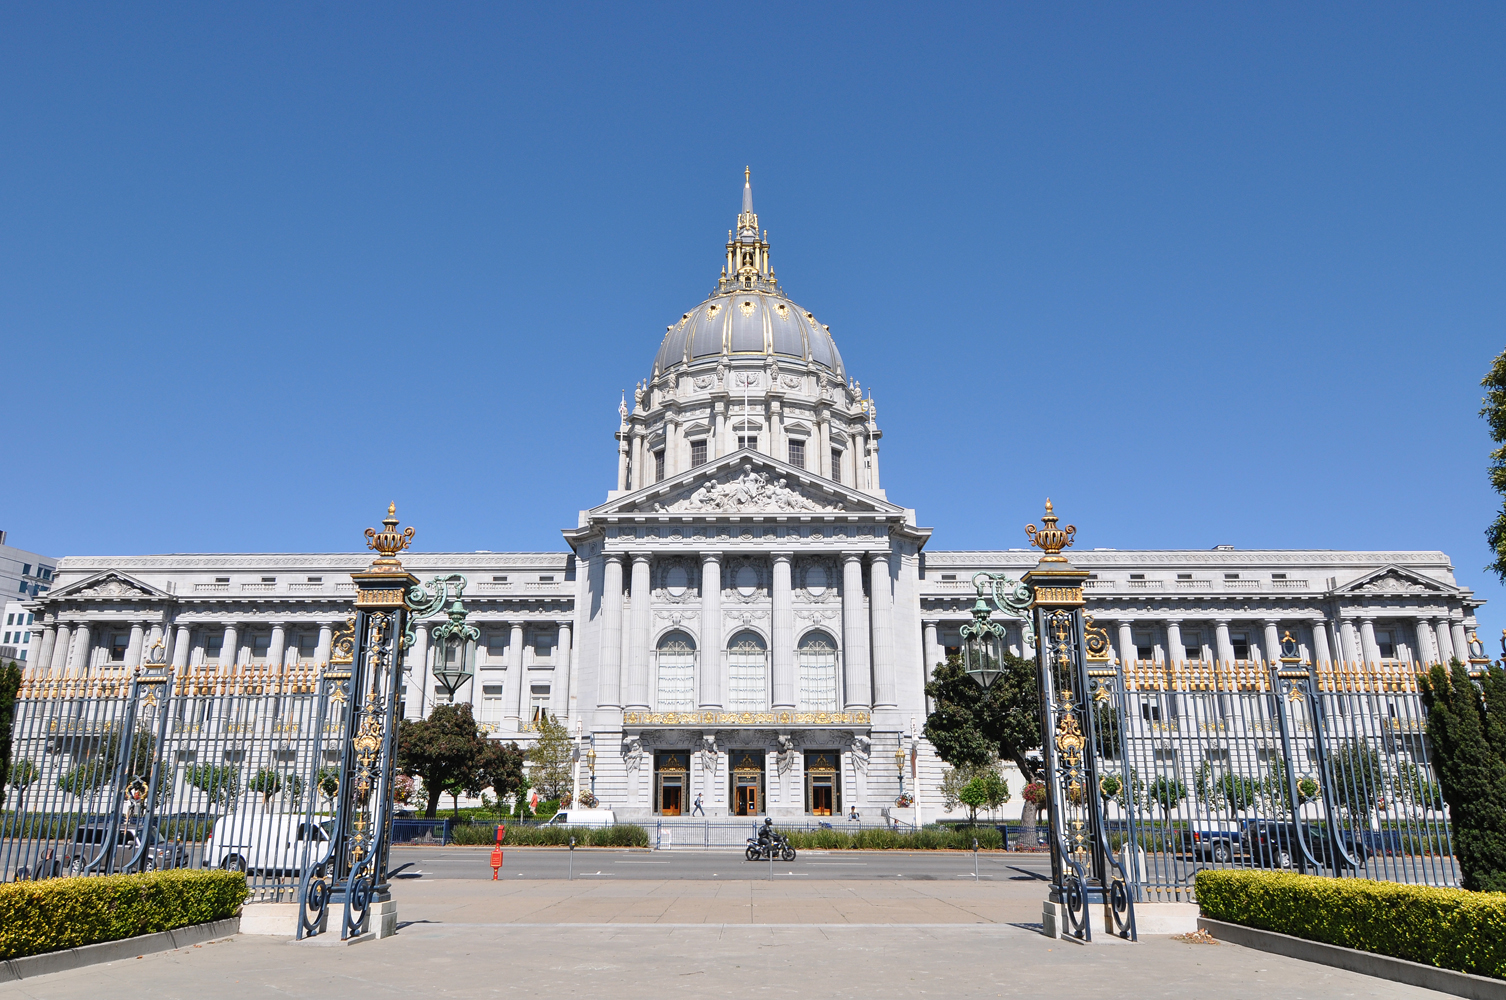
497	851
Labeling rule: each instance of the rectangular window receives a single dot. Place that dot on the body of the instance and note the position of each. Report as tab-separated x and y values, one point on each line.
1184	576
46	572
1231	576
6	640
797	453
491	703
1386	644
836	464
10	619
499	579
547	578
118	645
676	676
222	579
818	675
538	701
269	579
1192	647
697	453
1241	643
659	466
212	646
26	569
316	579
748	441
1145	648
25	638
496	647
748	688
1278	576
308	645
1137	576
1149	712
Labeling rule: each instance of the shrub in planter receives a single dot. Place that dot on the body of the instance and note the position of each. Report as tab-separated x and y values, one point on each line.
1448	928
53	914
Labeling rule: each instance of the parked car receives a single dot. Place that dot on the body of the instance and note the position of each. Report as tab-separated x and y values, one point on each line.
1212	845
266	843
1275	845
89	847
584	817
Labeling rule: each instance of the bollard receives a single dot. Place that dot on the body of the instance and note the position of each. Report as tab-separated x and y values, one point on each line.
497	851
571	875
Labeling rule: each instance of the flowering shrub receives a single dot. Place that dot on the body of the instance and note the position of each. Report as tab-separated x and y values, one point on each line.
588	801
1035	793
905	801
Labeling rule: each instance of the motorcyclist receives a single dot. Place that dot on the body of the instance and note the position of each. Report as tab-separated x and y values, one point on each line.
766	832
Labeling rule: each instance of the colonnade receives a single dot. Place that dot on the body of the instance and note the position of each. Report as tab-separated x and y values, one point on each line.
867	633
515	691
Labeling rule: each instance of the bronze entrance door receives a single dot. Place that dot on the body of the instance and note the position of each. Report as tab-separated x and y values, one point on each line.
671	792
823	783
747	782
671	773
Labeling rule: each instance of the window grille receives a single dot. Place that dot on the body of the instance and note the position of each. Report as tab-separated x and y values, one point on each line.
676	673
818	673
697	453
747	659
797	453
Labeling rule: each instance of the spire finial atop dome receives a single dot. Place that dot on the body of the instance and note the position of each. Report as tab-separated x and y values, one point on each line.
748	264
748	191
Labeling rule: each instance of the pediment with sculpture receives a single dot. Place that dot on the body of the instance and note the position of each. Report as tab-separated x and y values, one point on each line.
745	490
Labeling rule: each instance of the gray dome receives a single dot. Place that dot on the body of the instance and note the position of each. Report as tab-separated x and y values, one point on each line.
747	322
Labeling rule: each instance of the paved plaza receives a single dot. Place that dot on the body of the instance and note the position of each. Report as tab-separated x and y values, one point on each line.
899	936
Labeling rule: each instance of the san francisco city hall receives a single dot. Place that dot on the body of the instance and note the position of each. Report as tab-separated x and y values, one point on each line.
747	616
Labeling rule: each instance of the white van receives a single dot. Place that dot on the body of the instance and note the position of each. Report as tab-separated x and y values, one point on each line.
266	843
584	817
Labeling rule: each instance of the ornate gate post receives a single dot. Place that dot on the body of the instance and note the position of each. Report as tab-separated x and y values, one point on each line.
1083	868
354	875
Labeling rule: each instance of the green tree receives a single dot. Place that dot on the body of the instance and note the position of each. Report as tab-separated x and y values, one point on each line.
10	685
219	783
23	774
1494	412
501	768
1357	777
443	751
1467	736
1166	792
986	790
550	759
976	727
268	782
327	781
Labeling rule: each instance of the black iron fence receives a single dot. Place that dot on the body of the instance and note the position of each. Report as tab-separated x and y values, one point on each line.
141	770
1318	769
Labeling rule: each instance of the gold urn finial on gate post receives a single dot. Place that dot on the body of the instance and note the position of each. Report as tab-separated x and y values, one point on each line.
1049	538
388	543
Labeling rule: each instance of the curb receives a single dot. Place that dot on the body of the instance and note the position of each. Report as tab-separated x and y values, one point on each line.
1399	970
113	951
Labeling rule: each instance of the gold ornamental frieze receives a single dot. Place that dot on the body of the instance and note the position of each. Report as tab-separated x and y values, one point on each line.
703	719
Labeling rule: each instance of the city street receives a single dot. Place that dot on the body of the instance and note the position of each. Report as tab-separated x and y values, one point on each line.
606	863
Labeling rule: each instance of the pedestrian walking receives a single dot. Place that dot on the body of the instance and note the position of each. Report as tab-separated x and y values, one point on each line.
697	808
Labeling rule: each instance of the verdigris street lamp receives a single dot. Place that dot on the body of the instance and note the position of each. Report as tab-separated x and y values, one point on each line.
983	638
454	640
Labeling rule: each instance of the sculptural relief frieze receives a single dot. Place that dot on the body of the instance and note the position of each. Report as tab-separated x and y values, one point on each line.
746	491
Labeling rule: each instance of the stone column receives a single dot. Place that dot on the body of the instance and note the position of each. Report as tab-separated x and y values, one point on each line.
716	443
856	681
229	647
515	686
419	671
637	682
782	634
823	444
60	650
1368	648
1225	647
1461	640
882	614
1273	642
934	654
640	473
1350	640
1175	651
326	642
1426	649
559	684
857	444
1320	643
277	648
709	658
49	643
610	693
83	649
133	647
1127	652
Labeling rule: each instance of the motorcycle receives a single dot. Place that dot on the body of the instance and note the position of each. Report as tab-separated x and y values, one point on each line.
777	848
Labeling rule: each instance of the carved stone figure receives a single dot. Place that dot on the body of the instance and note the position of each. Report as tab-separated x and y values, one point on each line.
632	754
862	746
785	758
746	492
708	753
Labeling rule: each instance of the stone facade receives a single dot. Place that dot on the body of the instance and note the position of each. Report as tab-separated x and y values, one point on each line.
747	617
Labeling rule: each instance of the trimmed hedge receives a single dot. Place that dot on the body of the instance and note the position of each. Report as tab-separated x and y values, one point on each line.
54	914
520	835
929	838
1448	928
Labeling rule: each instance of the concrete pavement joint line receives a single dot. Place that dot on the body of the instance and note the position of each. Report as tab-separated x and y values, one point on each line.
624	925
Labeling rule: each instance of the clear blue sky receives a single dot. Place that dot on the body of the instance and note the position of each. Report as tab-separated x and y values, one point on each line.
1203	274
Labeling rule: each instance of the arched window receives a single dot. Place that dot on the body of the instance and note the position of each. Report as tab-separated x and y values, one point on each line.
676	673
818	673
747	659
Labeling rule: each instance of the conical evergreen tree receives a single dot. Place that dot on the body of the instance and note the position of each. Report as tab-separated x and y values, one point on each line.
1468	739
